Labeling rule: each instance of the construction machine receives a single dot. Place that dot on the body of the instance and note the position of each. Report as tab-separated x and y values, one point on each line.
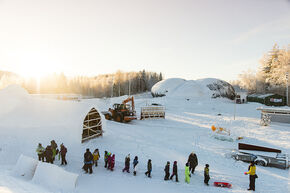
124	112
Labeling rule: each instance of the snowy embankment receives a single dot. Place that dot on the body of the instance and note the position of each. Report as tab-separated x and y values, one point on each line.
185	129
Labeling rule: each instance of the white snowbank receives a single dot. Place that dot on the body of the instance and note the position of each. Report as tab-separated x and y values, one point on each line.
25	167
201	88
54	177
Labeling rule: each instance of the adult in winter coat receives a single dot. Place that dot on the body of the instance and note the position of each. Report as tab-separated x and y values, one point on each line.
63	152
187	173
206	174
166	170
135	163
149	168
54	149
253	176
193	162
127	164
48	154
106	158
96	155
174	172
88	161
40	152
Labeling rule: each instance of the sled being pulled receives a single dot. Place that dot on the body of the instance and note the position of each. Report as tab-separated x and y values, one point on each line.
152	112
222	184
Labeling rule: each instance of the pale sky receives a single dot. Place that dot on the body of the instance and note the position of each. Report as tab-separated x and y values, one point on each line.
188	39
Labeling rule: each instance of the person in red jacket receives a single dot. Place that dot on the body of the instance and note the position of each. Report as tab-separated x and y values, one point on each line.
112	163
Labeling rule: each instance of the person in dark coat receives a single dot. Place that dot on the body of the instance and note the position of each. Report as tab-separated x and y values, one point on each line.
149	168
166	170
206	174
106	158
88	160
193	162
48	154
174	172
135	163
127	164
54	149
63	152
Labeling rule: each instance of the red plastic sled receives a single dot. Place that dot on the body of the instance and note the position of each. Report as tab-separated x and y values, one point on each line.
222	184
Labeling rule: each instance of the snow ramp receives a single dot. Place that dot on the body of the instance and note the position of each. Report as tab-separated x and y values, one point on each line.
54	178
25	167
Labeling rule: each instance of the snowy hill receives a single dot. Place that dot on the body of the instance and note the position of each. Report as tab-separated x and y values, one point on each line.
201	88
186	128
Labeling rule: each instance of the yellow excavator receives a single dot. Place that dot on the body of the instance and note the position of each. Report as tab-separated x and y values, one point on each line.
124	112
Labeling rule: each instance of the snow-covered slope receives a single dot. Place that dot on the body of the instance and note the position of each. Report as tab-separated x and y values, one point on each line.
186	128
201	88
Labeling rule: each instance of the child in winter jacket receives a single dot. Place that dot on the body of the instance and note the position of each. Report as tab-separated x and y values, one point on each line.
127	164
174	172
112	163
187	173
106	158
135	162
96	155
206	174
149	168
166	170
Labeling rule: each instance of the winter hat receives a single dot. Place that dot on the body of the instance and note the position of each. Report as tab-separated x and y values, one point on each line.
88	149
168	162
175	162
206	165
186	164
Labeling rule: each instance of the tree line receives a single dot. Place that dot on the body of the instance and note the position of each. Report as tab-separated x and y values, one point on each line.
271	76
107	85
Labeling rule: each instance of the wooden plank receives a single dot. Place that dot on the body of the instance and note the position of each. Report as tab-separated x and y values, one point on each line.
245	146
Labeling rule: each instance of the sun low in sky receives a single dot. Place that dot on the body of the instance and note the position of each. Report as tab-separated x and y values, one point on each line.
187	38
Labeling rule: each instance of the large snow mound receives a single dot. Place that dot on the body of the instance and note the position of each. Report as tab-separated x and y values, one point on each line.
54	177
25	167
201	88
40	120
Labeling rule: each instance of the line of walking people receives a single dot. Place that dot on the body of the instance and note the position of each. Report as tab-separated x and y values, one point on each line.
91	159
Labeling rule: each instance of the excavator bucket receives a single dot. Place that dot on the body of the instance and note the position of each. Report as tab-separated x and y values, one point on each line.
152	112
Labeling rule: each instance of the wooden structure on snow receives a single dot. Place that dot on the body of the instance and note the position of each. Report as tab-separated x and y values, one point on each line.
275	114
92	126
152	112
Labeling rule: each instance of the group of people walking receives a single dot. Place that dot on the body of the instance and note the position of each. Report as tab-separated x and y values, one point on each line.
91	159
49	153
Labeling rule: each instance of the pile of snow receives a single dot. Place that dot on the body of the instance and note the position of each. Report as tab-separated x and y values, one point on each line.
54	177
41	120
201	88
25	167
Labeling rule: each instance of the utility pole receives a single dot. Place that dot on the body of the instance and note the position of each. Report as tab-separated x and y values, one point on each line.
129	86
287	92
112	89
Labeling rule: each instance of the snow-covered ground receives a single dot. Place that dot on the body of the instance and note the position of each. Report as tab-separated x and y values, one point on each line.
186	128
